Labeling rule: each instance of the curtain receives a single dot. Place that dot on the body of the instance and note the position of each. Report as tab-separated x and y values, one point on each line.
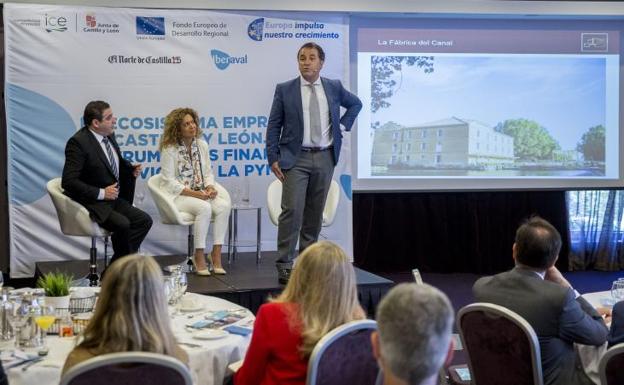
596	229
449	232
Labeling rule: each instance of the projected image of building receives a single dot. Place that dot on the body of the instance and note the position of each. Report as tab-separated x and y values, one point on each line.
448	143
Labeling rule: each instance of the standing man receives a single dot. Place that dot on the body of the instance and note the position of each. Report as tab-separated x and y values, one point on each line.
96	176
303	145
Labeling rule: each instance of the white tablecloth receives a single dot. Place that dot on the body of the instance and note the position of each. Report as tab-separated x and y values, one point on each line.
208	363
599	299
590	355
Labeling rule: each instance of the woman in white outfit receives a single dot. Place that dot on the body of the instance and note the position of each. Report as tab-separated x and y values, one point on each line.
187	175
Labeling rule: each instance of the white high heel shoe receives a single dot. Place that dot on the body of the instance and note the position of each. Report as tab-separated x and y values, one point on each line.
203	272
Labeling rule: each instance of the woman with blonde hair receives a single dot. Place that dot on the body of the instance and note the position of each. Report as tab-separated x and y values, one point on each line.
320	296
187	176
131	314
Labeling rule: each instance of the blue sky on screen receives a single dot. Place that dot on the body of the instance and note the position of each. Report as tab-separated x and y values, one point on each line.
567	95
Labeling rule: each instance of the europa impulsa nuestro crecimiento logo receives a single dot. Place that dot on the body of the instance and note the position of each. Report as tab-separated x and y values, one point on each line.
223	60
255	29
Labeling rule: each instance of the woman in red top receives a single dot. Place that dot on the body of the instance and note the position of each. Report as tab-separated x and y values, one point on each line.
321	295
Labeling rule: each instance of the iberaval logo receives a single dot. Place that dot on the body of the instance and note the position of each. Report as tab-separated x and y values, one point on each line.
255	29
222	60
154	26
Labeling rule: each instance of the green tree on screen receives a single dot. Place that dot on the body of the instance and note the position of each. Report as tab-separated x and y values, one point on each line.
386	78
531	141
592	144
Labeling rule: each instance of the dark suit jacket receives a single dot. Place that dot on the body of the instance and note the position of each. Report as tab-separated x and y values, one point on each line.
557	318
285	126
87	170
616	335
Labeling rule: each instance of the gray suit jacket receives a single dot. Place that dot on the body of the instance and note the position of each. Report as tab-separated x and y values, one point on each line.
285	126
557	318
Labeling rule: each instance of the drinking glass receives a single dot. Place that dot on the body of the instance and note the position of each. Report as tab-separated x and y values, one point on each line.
181	285
139	196
235	195
617	290
169	287
245	192
44	319
17	316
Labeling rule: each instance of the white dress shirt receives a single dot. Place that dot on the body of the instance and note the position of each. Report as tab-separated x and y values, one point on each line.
327	138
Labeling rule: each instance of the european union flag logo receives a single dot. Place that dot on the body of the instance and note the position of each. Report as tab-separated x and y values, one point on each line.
154	26
255	28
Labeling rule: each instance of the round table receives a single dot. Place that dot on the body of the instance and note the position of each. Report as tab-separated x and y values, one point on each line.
208	361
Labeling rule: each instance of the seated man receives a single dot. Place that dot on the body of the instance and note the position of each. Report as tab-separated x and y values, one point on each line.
616	335
414	337
99	178
537	291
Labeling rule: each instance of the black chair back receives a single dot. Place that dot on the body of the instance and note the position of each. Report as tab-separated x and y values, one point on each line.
611	367
128	368
502	347
344	356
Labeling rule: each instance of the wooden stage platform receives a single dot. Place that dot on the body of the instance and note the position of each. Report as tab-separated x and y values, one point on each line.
247	283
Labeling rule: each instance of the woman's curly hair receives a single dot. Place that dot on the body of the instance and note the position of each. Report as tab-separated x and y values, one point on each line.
173	123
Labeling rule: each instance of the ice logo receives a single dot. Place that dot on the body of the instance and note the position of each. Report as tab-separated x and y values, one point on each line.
222	60
255	29
55	23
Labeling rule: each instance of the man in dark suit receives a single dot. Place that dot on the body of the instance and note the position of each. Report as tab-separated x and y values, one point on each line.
536	290
303	145
98	177
616	335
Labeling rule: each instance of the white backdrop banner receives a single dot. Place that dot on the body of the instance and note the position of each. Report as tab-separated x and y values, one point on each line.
146	62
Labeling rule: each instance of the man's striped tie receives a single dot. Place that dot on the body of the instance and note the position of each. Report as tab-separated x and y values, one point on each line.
111	158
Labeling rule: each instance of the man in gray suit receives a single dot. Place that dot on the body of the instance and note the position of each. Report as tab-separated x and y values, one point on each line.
303	145
537	291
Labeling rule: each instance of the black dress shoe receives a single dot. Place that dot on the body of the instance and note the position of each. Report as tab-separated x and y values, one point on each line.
283	272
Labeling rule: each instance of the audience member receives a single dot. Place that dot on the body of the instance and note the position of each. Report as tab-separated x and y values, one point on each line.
131	314
414	337
616	335
187	176
537	291
320	296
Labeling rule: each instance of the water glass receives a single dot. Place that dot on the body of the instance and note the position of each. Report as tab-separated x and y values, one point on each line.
17	316
169	287
235	195
617	290
139	196
182	285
